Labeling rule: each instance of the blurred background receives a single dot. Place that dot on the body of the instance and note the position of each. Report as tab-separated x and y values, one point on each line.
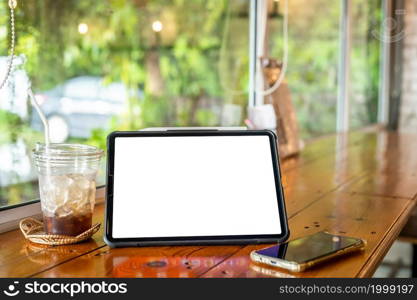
98	66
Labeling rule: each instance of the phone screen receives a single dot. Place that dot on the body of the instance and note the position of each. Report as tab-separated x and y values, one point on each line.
309	248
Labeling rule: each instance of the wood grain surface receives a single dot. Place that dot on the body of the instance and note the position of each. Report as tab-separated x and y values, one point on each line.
361	184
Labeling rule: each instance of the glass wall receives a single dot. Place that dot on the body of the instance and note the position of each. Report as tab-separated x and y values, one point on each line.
364	62
98	66
313	47
314	37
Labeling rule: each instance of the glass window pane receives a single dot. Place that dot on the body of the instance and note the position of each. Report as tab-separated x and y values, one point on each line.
313	48
365	58
99	66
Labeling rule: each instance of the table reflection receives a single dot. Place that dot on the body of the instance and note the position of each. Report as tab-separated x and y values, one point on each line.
186	267
160	267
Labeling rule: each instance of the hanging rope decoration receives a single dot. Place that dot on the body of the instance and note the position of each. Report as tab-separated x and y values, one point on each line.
12	6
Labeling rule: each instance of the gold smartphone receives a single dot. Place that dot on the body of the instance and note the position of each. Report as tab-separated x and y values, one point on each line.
303	253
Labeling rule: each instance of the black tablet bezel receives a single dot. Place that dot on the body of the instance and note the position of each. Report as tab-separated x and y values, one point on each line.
200	240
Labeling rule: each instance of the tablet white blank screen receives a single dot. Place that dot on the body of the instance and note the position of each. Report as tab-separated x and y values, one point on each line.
194	186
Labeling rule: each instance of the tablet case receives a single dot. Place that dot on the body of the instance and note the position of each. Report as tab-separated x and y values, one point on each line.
206	240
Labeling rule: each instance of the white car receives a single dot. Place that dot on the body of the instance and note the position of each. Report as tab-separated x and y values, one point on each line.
81	104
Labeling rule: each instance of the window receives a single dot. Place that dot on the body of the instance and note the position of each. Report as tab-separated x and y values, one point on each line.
365	58
313	47
98	66
313	67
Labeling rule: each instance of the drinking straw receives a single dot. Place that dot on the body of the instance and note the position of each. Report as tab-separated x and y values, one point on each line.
41	115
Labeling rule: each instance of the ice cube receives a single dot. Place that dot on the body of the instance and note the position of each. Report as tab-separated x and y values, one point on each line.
63	211
67	194
82	181
92	192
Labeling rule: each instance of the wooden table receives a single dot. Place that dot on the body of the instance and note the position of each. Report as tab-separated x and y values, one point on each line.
361	184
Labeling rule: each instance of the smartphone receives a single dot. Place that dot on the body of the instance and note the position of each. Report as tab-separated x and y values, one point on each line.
303	253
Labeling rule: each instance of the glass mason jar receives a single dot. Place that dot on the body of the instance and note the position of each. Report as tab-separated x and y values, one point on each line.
67	186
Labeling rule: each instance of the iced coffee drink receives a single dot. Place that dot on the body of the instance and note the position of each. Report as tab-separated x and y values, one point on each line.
67	186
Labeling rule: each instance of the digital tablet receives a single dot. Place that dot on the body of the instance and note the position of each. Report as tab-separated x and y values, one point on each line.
181	187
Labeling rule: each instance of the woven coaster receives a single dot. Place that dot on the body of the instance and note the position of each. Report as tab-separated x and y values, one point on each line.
33	231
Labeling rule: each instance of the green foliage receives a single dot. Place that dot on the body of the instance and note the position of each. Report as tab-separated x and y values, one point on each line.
314	57
13	128
365	62
200	58
117	47
98	138
10	126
